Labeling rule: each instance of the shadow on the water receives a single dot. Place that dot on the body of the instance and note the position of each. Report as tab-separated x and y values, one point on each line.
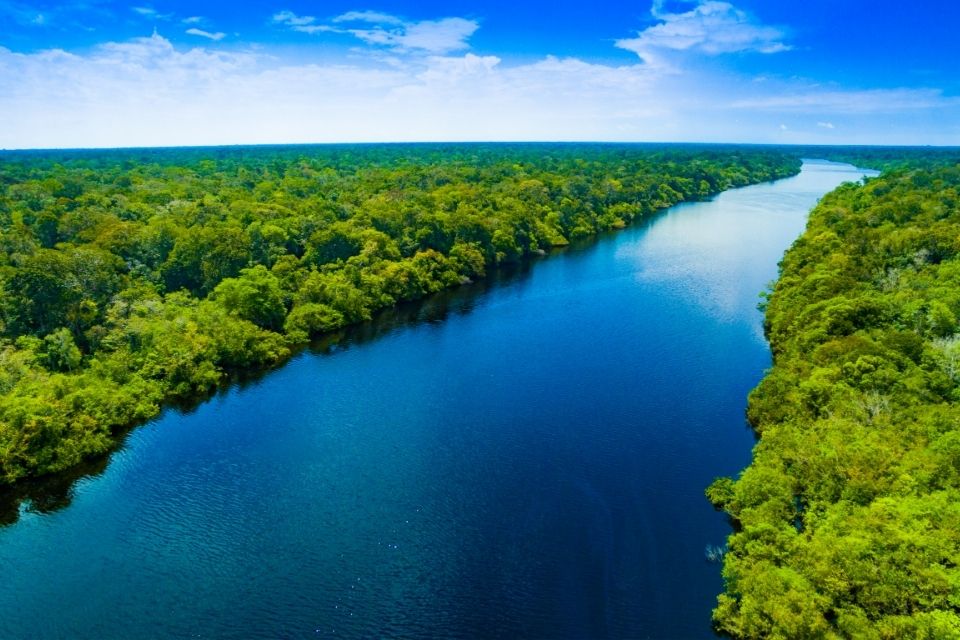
434	309
53	492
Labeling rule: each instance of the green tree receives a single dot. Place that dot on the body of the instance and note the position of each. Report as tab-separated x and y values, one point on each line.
60	352
254	295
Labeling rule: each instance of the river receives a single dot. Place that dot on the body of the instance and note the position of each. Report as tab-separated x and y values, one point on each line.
524	458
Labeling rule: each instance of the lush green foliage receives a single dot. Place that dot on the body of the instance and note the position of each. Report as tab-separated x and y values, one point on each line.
132	278
848	518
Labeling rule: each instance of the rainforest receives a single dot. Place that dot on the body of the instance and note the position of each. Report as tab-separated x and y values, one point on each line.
534	320
135	280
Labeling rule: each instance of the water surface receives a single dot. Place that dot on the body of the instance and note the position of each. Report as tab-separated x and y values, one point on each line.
530	465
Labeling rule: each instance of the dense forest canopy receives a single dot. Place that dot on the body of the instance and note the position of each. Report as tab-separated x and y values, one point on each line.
848	519
132	278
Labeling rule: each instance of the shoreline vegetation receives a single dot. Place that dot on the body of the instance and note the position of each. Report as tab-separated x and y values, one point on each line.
847	520
131	280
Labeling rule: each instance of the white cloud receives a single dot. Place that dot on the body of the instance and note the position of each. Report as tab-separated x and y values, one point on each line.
314	28
146	91
290	19
193	20
373	17
825	125
784	127
219	35
711	27
450	70
432	36
303	24
149	12
384	30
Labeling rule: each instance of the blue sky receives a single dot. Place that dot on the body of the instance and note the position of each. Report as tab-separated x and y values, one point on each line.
89	73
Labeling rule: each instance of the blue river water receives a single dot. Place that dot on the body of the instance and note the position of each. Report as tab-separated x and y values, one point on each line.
524	457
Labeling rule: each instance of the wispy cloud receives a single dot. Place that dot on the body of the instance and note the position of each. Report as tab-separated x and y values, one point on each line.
373	17
800	99
711	28
303	24
193	20
291	19
150	12
219	35
388	31
432	36
24	14
825	125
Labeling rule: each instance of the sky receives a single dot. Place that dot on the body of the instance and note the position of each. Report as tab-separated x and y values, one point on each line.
90	73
